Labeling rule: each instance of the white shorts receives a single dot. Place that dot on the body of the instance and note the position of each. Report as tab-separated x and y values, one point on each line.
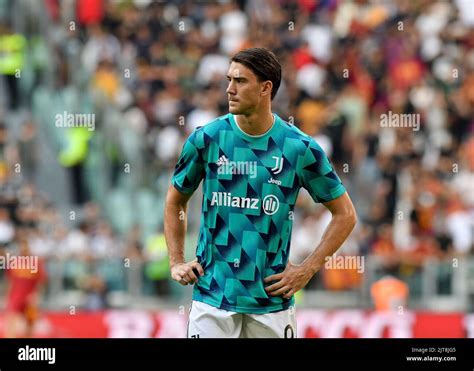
206	321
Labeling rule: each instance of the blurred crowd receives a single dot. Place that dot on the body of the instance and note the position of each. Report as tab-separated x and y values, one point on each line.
152	71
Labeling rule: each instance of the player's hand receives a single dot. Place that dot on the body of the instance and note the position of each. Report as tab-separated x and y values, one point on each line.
288	282
187	273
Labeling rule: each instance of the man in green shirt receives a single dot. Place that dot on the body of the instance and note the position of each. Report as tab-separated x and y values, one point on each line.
252	165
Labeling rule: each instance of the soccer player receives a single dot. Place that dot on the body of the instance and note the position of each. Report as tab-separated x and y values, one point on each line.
252	164
22	304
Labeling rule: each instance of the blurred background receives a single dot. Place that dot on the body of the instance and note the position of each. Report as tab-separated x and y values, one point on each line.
89	201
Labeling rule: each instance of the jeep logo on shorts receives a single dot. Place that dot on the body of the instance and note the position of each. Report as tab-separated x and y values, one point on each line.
270	204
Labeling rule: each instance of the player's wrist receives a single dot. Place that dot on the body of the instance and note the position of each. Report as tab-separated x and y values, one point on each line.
174	264
310	268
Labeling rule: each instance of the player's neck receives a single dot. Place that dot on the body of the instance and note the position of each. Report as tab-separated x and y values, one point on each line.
257	123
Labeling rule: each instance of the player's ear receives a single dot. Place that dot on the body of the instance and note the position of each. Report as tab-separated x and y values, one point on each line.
266	88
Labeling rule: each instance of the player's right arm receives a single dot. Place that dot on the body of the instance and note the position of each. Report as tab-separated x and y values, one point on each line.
175	231
188	173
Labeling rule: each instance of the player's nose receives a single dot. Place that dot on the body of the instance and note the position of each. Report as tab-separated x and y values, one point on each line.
231	89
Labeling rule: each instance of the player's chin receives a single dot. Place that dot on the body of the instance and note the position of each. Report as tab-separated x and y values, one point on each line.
234	109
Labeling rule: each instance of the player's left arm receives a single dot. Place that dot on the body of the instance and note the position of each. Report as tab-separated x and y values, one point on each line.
295	277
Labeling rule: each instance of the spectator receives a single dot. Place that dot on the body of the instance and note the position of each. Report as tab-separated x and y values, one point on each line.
390	293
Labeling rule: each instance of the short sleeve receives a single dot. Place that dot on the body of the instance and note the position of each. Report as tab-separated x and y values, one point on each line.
318	176
189	170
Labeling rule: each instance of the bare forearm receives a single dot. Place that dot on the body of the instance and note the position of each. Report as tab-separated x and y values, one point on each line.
334	236
175	231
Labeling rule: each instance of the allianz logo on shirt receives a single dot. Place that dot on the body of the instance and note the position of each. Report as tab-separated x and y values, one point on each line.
270	203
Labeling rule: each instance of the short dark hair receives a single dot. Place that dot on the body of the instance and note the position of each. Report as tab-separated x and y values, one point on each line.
263	63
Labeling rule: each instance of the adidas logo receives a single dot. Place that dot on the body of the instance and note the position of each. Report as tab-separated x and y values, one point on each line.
222	160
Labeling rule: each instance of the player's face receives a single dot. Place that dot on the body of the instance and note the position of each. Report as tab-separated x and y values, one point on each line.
243	91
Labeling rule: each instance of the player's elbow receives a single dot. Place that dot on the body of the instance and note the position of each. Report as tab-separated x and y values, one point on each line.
351	217
347	212
347	216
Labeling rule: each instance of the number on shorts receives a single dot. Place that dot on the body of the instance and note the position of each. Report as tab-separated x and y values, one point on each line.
289	332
